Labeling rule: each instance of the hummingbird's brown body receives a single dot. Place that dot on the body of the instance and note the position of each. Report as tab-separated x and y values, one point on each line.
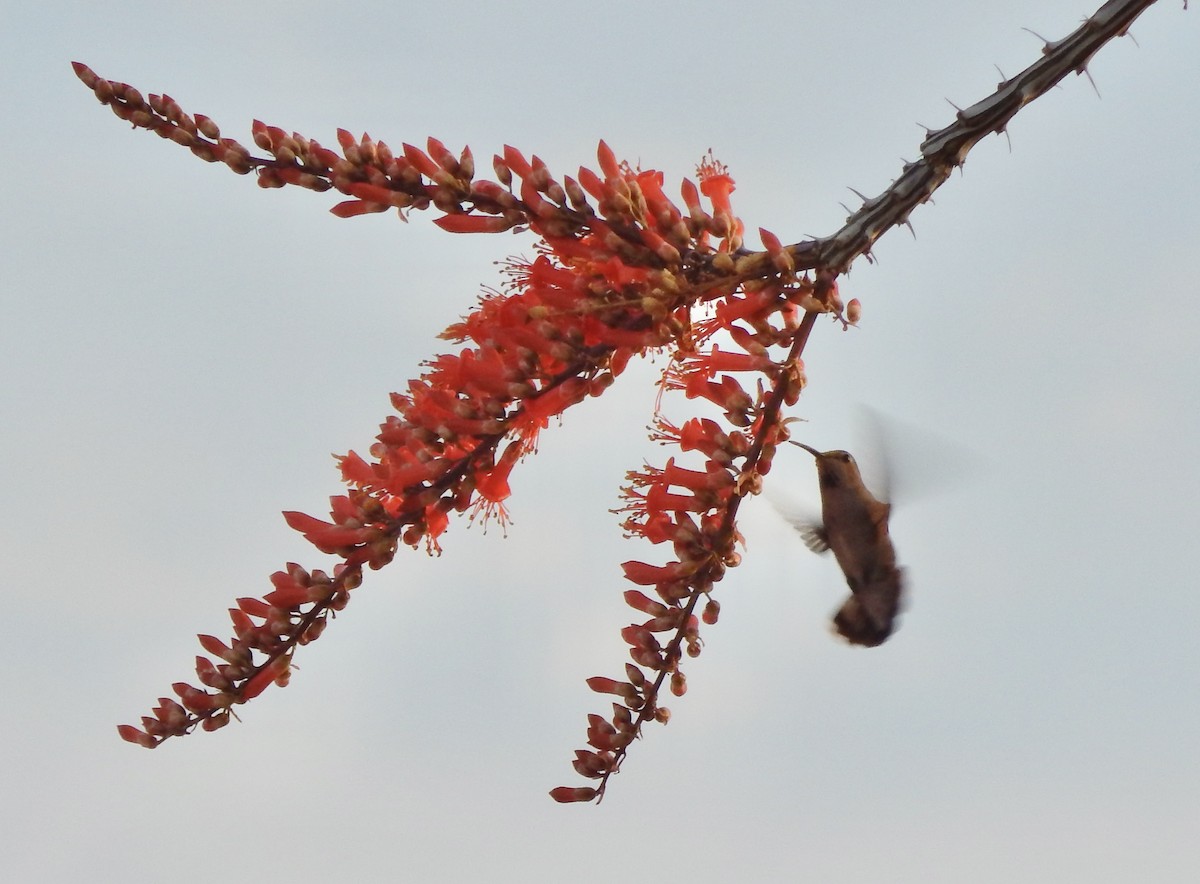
856	529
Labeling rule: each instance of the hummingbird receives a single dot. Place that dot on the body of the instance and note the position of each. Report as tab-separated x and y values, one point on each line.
855	527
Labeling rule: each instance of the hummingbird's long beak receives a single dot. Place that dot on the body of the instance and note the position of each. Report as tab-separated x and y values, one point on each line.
811	451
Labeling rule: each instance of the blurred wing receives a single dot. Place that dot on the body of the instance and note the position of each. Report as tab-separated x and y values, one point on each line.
814	536
906	462
810	528
874	457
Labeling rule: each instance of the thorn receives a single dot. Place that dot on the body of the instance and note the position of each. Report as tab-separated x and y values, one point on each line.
1045	42
908	224
1129	34
955	106
1088	74
928	131
1006	138
849	211
1003	79
857	194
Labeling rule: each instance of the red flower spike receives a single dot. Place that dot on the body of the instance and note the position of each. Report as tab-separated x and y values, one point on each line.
618	272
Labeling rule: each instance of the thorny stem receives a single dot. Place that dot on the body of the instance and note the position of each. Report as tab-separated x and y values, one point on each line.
944	149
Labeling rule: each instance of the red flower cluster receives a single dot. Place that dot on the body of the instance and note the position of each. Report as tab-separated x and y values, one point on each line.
694	509
620	269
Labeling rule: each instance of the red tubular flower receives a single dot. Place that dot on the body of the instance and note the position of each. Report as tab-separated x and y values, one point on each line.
289	597
370	192
592	183
356	471
515	160
746	305
780	257
352	208
257	684
536	412
492	483
641	602
421	161
727	393
324	536
718	360
651	575
659	499
608	161
713	478
715	183
474	223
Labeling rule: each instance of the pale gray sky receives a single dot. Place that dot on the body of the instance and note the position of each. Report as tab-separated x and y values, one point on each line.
183	351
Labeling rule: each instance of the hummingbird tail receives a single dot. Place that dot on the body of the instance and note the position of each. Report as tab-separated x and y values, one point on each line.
868	617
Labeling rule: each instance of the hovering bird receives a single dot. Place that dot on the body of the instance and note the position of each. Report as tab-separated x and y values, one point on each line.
855	526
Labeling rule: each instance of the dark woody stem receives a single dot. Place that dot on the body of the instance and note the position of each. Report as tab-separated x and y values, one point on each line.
945	149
